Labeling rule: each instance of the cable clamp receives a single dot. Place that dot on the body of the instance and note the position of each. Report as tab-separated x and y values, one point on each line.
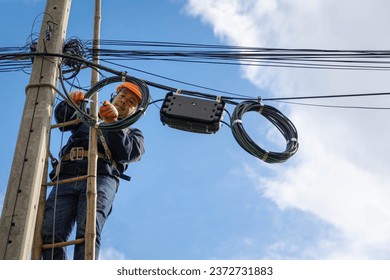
178	91
96	124
48	30
260	100
236	121
219	99
265	156
124	74
292	140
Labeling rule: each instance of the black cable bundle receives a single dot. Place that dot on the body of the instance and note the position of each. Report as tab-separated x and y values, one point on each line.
73	47
284	125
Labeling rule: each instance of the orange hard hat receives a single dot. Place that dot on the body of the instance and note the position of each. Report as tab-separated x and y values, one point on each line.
133	88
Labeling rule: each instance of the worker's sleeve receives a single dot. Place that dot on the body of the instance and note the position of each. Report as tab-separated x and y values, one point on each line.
126	145
63	113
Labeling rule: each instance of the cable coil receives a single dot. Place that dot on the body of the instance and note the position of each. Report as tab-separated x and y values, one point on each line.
281	122
120	124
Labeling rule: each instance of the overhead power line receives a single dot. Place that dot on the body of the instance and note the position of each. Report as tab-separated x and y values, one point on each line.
241	55
20	58
233	55
334	106
77	54
328	96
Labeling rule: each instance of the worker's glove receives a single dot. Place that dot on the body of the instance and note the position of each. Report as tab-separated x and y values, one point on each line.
77	96
108	112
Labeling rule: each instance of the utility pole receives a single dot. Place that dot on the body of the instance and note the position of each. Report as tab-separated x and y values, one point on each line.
21	200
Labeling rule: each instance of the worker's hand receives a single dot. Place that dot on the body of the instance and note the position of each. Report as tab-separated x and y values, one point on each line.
108	112
77	96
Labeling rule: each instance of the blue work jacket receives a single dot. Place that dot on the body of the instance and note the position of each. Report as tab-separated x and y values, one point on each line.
126	145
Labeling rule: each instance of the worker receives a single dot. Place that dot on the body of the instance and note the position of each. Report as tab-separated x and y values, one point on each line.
66	204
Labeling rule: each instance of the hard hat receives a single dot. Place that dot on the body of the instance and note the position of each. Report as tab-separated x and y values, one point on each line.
133	88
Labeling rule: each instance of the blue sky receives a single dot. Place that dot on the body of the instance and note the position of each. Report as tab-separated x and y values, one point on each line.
196	196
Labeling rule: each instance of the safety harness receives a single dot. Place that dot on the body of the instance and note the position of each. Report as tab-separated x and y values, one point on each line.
79	153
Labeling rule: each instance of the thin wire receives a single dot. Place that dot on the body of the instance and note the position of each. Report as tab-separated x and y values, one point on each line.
280	98
328	96
316	58
56	190
334	106
173	80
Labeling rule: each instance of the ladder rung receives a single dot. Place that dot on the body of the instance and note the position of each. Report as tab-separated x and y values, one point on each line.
72	122
63	244
80	178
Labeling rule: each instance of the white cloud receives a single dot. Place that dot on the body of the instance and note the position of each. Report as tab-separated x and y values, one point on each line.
110	253
340	172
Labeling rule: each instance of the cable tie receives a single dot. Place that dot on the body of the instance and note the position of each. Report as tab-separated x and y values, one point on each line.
292	140
260	100
261	109
236	121
48	31
265	156
87	100
124	76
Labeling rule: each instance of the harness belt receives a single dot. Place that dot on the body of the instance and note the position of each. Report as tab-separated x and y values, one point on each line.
78	153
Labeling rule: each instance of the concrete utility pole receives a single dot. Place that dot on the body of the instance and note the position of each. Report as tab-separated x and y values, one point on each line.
21	200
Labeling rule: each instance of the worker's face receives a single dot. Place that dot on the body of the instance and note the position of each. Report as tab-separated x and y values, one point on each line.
125	103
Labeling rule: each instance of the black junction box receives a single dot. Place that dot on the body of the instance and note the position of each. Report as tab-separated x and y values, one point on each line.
191	114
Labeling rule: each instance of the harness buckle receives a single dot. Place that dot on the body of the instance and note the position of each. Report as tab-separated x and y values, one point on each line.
76	153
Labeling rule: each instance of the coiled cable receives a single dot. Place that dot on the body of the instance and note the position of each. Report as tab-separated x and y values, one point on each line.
123	123
281	122
82	109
